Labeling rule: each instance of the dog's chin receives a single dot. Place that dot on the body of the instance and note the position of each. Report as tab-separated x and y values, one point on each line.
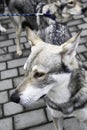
27	103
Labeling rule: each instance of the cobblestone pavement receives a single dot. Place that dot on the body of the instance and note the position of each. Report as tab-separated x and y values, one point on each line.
37	117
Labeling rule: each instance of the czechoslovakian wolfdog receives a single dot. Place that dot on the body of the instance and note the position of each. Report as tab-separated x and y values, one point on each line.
59	11
52	72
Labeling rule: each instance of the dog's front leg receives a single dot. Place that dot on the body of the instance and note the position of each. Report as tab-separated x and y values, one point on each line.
58	123
28	38
16	20
18	32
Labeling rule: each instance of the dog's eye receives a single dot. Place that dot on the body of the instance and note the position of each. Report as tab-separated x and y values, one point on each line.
71	4
38	74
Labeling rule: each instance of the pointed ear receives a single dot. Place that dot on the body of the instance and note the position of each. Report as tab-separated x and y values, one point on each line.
33	38
69	48
68	52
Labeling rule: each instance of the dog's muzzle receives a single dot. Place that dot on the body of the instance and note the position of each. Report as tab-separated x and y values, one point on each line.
15	97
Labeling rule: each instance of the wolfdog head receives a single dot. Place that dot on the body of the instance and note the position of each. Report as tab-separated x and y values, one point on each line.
64	9
45	68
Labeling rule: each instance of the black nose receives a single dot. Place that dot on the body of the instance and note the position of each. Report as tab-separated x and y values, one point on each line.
15	97
84	10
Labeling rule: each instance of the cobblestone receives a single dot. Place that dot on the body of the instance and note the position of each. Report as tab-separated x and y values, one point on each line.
10	25
3	37
9	73
5	84
11	36
84	33
82	26
12	108
83	40
16	63
81	49
73	29
17	80
78	17
2	66
82	57
3	97
13	48
6	124
37	105
3	50
26	119
21	71
6	43
5	57
74	122
10	30
75	22
44	127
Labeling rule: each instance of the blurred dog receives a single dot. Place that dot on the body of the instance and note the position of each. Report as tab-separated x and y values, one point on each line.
2	29
53	71
59	11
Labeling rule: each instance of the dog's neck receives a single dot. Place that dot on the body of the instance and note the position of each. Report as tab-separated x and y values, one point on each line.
60	93
77	81
67	86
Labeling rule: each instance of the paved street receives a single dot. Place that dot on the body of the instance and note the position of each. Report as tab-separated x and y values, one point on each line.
36	117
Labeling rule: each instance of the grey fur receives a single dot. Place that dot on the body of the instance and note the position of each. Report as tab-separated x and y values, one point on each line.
55	34
78	98
46	75
25	7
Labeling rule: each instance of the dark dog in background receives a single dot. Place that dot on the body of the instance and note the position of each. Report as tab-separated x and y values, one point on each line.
2	29
59	11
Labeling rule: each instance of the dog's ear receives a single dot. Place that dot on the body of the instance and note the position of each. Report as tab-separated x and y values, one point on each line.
68	52
33	38
69	48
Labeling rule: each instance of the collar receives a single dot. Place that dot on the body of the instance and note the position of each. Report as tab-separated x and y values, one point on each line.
51	104
39	9
69	107
65	108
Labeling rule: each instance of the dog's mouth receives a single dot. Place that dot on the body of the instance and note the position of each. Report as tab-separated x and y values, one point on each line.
26	103
42	97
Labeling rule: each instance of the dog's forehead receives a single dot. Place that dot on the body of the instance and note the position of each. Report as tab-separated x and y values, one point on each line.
47	56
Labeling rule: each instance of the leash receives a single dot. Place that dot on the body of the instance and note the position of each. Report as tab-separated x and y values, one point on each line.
32	14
